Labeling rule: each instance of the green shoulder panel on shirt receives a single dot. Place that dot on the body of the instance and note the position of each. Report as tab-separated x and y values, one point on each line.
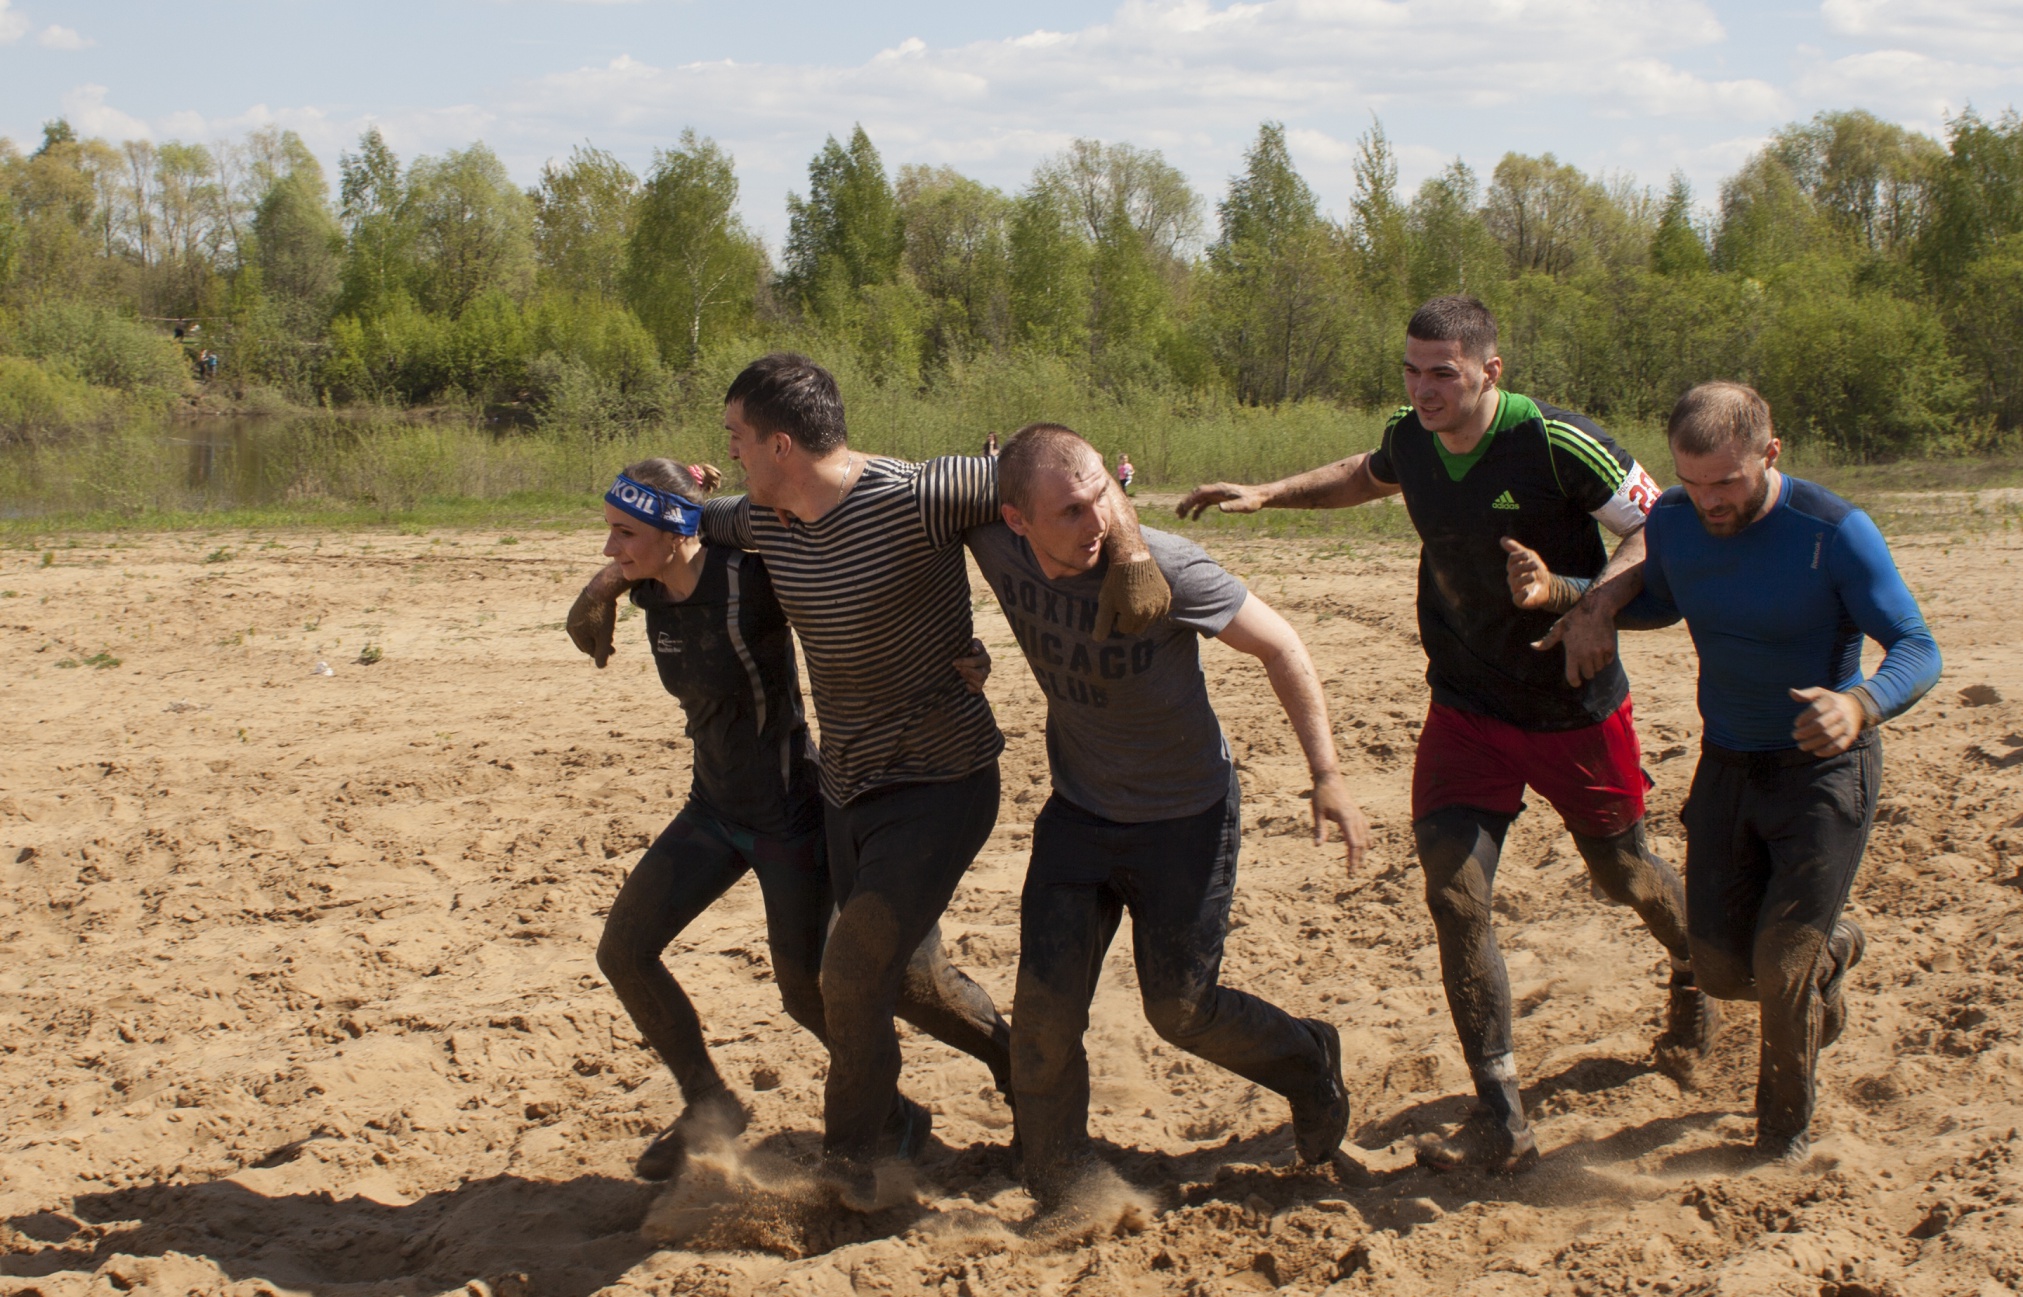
1397	416
1583	447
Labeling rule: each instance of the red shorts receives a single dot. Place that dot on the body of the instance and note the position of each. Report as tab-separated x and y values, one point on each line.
1593	776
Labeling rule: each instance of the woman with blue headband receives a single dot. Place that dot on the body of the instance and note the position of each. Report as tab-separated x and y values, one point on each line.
722	646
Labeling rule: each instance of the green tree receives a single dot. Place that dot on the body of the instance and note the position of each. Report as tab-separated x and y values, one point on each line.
1869	178
583	218
1095	182
845	235
1049	278
1767	219
1281	293
1676	248
471	229
692	269
1451	250
1988	325
958	253
377	259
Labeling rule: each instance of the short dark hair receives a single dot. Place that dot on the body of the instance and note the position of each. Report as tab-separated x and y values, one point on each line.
1035	449
787	392
1456	318
1714	416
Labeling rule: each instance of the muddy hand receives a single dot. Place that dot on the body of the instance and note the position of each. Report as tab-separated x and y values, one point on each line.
1530	579
1134	595
592	623
1830	723
1230	497
974	666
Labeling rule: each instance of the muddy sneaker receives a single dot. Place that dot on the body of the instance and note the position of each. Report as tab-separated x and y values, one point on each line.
907	1129
1320	1120
854	1183
1692	1022
1847	945
716	1116
1483	1144
1791	1150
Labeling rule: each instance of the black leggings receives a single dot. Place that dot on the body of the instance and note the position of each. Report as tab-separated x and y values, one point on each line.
895	857
1176	878
1459	847
693	862
1773	841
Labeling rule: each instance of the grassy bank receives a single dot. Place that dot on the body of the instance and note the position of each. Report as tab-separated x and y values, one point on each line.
456	470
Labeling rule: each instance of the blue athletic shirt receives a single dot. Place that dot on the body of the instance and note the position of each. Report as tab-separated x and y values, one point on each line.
1783	605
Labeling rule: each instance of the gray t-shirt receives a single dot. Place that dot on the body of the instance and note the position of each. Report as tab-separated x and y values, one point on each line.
1130	733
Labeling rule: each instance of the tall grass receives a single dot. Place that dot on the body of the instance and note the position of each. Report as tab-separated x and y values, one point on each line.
454	467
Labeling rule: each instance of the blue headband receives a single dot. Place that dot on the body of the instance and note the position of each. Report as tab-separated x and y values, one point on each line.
655	507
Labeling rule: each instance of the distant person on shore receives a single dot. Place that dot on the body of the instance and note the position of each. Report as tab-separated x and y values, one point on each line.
1481	470
1125	473
1779	581
1145	814
990	445
721	645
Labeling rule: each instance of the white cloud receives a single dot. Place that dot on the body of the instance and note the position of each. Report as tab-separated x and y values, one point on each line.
85	108
1643	86
13	26
63	38
1980	31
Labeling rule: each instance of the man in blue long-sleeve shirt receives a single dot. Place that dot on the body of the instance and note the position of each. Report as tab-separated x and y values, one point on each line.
1779	581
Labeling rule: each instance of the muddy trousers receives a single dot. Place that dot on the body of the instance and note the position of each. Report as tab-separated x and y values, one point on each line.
1176	878
692	863
1458	848
1773	840
895	856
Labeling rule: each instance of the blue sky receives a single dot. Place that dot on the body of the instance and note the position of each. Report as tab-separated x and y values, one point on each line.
1635	86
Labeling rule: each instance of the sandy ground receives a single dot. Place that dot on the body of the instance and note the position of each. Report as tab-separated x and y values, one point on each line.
297	989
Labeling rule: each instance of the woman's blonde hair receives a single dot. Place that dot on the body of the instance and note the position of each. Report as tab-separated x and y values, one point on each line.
695	481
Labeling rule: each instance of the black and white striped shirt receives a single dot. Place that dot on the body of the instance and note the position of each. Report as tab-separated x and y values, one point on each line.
879	594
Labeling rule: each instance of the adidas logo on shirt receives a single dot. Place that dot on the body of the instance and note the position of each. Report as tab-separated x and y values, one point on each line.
1503	502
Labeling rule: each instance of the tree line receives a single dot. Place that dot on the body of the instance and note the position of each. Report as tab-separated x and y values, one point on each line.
1869	279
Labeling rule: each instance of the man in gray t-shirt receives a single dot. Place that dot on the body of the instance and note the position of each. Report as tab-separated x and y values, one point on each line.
1145	812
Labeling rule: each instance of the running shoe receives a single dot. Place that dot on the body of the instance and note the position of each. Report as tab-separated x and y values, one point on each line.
1482	1144
1692	1024
1321	1120
1847	945
1791	1150
717	1115
907	1129
854	1183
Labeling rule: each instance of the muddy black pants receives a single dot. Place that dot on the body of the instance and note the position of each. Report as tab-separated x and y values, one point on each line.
1773	840
895	856
1459	847
1176	878
692	863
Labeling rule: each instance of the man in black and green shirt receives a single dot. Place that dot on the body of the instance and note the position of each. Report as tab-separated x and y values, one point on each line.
1489	476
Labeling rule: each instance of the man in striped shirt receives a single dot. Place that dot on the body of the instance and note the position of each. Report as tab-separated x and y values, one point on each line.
866	557
1485	474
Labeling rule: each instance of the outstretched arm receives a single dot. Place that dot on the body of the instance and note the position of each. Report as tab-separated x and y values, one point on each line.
1340	485
1259	631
